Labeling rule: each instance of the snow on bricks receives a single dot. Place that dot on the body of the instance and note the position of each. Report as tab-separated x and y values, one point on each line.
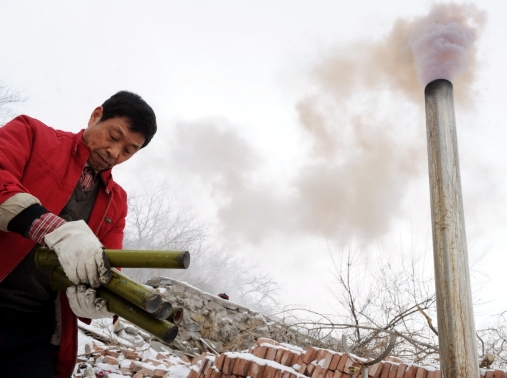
269	359
105	362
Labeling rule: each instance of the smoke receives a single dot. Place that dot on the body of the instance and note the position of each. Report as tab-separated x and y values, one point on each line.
363	121
443	42
212	149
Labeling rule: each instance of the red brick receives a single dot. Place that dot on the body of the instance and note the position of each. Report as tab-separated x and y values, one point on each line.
241	367
411	372
309	355
127	370
320	354
279	354
342	362
338	374
278	373
489	374
303	368
271	353
146	371
269	372
317	372
131	354
219	361
431	374
210	372
228	365
385	370
401	371
498	374
288	358
205	365
261	352
135	366
393	372
437	374
334	362
112	353
161	356
286	374
329	374
373	369
347	364
421	373
327	360
256	370
311	369
298	359
380	367
110	360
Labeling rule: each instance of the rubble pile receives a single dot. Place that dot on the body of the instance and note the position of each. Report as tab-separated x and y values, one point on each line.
269	359
220	339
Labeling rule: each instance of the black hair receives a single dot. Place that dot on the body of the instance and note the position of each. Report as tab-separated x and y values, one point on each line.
130	105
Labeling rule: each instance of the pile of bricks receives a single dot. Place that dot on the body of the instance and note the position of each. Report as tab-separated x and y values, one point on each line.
132	363
269	359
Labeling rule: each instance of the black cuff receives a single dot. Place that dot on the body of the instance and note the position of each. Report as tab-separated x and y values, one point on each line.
21	223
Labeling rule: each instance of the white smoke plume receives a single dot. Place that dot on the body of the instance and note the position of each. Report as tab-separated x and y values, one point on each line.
364	122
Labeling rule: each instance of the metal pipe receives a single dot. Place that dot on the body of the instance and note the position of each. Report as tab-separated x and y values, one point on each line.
456	328
163	329
134	292
164	311
127	258
176	315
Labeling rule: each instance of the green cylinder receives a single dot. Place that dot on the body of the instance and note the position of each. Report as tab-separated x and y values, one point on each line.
134	292
127	258
162	329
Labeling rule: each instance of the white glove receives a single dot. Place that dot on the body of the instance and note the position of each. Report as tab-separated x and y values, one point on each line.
85	304
80	253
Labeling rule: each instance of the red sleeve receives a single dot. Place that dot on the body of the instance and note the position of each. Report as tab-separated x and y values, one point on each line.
16	142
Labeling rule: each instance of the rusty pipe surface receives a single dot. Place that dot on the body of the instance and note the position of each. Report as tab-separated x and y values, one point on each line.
456	327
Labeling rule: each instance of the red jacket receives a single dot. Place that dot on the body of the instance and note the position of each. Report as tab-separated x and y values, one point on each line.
48	163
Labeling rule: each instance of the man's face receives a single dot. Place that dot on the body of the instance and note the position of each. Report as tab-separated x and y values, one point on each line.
111	142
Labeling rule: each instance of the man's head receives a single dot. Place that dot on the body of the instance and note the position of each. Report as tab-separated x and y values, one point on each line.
119	128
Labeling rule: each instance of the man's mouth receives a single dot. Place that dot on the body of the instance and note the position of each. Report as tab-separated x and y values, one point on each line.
103	160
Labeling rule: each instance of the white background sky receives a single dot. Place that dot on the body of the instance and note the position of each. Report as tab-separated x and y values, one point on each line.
225	78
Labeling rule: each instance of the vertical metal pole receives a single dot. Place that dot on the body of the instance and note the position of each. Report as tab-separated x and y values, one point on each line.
456	328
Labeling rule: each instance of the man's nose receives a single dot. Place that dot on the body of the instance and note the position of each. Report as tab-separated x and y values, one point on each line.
114	151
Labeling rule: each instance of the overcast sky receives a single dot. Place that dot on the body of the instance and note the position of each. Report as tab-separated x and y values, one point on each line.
294	128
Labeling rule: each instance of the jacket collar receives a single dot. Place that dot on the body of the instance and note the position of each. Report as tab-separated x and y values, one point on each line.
81	152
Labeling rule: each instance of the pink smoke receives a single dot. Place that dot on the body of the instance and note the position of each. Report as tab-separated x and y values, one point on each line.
442	42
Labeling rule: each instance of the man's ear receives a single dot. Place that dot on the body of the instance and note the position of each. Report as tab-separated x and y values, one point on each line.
96	115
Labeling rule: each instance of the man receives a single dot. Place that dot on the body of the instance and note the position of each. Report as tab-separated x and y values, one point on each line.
56	189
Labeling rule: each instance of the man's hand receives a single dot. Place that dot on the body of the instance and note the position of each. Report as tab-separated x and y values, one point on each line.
85	304
80	253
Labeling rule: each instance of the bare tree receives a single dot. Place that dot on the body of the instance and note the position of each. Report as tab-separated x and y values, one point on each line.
156	221
8	96
373	304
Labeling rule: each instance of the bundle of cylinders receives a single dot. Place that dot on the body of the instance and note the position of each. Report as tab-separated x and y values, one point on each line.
456	328
132	301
